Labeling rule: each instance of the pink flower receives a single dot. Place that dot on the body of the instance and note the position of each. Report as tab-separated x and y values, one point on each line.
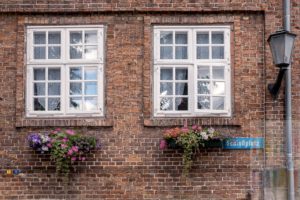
163	144
70	152
83	158
75	148
65	140
58	129
49	145
70	132
195	127
73	158
54	132
63	146
185	129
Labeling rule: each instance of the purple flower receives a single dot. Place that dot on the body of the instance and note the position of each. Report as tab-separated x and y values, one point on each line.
163	144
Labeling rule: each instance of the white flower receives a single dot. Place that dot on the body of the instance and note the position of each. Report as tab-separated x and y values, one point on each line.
204	135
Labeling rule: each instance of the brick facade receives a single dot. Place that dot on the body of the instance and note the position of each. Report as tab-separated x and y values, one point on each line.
130	164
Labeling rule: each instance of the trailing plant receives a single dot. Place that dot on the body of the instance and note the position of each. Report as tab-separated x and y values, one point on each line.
66	146
189	139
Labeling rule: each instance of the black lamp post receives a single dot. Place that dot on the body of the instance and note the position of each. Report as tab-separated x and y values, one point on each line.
281	44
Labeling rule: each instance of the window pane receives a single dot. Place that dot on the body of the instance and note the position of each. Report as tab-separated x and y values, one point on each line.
217	38
53	52
203	87
90	88
181	89
166	74
39	74
39	38
218	72
202	53
76	103
90	74
166	88
75	89
75	73
90	52
218	52
90	103
202	38
39	89
181	74
76	52
53	74
181	38
203	72
166	52
181	53
54	38
53	88
166	103
181	103
218	103
76	37
203	102
39	53
219	88
166	37
39	104
90	37
54	104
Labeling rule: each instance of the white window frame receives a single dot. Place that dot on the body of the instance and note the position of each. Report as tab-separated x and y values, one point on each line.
192	63
64	63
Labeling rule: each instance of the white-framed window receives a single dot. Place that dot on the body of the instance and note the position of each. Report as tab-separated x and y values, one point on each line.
65	71
191	71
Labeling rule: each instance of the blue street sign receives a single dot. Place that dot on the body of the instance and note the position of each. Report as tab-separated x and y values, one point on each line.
244	143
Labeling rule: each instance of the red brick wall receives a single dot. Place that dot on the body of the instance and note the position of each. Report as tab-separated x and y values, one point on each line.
130	164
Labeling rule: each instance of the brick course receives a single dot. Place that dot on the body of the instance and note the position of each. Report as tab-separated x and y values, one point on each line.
130	164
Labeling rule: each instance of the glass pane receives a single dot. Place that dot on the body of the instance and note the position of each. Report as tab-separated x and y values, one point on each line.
90	74
181	38
39	38
76	37
76	52
218	72
53	74
217	38
203	87
202	38
219	88
39	74
181	74
181	89
53	88
90	88
202	53
166	103
39	89
39	104
53	52
218	103
75	73
203	102
54	104
181	103
54	38
166	88
39	53
166	74
75	103
181	53
75	89
203	72
218	52
90	52
166	37
90	103
90	37
166	52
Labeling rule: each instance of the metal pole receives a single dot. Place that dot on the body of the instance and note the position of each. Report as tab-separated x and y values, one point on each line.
288	111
